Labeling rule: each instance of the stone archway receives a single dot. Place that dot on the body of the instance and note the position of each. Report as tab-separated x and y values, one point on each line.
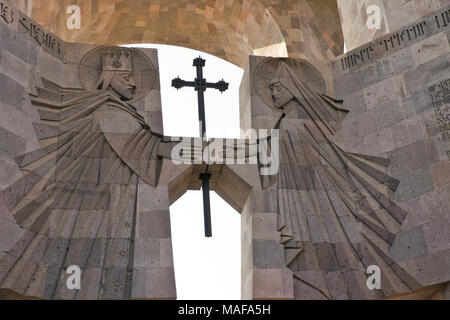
239	185
228	29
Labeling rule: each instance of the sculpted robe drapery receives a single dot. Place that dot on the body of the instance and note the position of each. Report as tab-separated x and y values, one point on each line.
334	210
76	203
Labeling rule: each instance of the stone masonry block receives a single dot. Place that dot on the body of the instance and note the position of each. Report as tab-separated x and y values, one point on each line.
272	284
261	201
153	283
379	142
18	45
382	92
441	173
51	68
153	199
409	244
9	172
15	68
154	225
147	253
437	235
267	254
10	233
90	283
12	92
429	269
265	226
413	184
430	48
166	253
412	157
11	145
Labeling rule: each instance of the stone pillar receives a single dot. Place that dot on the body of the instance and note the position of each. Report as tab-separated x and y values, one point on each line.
263	271
153	274
268	276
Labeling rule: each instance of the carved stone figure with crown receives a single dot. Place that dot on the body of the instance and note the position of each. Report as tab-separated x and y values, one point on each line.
98	151
117	76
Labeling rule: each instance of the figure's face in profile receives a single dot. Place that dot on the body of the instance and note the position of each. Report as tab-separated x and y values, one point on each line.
280	95
124	84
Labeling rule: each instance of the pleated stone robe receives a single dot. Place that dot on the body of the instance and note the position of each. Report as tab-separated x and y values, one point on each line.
76	203
335	212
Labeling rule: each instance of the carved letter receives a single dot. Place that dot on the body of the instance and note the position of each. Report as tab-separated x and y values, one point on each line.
270	164
374	19
181	153
74	20
213	153
374	281
249	135
6	13
74	281
198	151
230	151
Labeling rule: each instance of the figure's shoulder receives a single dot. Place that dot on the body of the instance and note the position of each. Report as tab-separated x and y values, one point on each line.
112	119
114	108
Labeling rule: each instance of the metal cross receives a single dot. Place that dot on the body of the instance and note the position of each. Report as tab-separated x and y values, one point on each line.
200	85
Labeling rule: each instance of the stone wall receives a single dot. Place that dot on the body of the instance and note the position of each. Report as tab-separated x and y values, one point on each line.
396	89
30	58
22	64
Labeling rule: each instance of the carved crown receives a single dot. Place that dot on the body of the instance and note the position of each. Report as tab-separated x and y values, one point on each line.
117	59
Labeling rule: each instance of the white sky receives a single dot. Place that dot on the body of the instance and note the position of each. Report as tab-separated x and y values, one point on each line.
204	268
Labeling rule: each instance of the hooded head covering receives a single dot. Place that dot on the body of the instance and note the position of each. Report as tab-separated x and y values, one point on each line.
318	106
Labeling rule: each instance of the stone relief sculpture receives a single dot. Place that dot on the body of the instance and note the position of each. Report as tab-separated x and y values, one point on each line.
76	205
335	213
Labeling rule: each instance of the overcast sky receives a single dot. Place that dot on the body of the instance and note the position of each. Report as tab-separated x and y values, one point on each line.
204	268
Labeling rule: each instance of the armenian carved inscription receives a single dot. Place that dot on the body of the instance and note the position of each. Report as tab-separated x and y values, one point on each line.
409	34
443	19
428	26
388	43
6	13
357	58
43	38
440	96
29	28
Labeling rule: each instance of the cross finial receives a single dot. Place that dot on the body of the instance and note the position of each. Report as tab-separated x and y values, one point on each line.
199	62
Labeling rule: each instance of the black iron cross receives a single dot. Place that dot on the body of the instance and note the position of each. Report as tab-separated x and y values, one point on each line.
200	85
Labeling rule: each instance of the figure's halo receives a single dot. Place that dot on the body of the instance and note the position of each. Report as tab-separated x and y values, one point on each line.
90	70
265	70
